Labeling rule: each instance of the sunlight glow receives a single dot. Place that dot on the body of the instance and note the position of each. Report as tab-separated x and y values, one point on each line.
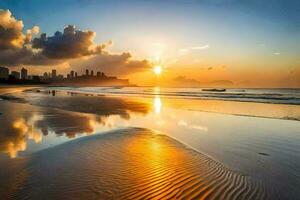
157	70
157	104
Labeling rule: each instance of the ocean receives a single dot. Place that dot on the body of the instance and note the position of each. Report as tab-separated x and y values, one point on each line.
274	96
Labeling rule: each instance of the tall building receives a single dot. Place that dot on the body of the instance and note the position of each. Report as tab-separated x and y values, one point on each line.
36	78
53	73
4	72
15	74
72	74
24	73
46	76
86	72
60	77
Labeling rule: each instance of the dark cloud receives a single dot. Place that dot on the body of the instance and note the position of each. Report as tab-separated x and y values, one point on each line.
71	43
24	56
114	64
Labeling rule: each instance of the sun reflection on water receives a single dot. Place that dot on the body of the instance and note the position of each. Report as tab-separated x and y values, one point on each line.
157	104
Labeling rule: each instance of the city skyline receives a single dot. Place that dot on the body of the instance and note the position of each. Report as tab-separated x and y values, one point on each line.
23	73
88	78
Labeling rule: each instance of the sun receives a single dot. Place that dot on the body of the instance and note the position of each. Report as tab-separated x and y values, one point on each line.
157	70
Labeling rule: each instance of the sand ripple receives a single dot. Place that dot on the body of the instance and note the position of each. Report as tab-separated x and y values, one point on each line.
132	164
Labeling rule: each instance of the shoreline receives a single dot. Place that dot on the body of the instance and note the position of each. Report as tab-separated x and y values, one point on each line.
237	108
8	89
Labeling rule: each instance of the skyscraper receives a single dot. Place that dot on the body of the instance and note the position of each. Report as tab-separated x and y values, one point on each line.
72	74
24	73
53	73
15	74
4	73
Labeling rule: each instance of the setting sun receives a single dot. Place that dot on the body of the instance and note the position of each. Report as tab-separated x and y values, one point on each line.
157	70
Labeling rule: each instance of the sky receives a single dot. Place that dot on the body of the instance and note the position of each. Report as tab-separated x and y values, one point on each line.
232	43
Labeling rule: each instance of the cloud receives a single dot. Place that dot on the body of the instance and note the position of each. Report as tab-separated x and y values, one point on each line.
15	47
184	81
72	43
30	32
190	82
11	35
74	46
200	47
24	56
184	51
11	32
114	64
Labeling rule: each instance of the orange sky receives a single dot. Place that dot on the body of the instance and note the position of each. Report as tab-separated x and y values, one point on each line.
196	43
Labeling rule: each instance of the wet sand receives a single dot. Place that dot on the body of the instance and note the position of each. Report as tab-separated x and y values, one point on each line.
130	163
237	161
6	89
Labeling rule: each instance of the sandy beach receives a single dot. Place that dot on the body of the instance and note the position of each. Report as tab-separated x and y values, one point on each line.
129	164
7	89
88	146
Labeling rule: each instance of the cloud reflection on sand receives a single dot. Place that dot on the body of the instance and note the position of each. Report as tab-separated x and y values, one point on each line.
24	128
24	123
